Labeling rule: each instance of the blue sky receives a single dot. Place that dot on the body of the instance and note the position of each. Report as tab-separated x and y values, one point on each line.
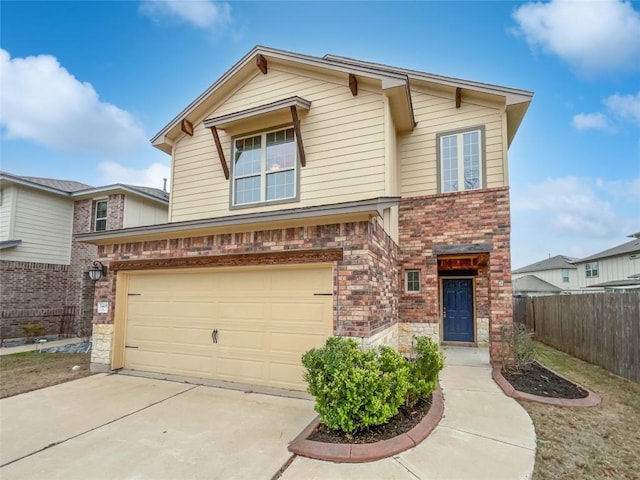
84	85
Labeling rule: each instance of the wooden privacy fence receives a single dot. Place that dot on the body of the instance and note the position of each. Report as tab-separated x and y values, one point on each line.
601	328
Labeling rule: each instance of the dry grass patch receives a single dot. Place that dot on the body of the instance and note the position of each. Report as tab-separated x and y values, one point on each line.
587	443
27	371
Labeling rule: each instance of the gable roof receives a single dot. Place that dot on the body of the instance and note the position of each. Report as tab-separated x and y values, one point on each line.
632	246
394	81
75	189
552	263
531	283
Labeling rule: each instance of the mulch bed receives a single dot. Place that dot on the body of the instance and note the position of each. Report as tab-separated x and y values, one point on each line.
405	420
537	380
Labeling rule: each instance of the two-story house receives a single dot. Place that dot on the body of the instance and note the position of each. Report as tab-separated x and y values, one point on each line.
314	197
43	271
551	276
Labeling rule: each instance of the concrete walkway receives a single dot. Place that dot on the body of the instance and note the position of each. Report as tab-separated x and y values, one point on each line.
37	346
483	434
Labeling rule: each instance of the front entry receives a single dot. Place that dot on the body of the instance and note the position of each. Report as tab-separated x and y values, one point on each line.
457	314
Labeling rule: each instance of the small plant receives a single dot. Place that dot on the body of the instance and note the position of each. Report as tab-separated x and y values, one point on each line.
32	331
355	389
423	373
523	346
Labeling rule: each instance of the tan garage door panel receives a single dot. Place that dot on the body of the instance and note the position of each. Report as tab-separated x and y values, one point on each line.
265	318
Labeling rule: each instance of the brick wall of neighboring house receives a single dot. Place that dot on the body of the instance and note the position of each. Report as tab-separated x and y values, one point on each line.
455	219
365	296
32	293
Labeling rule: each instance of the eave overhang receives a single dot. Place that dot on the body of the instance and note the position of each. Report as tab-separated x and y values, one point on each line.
280	107
290	218
389	81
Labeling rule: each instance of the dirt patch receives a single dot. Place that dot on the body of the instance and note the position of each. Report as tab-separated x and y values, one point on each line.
405	420
27	371
538	380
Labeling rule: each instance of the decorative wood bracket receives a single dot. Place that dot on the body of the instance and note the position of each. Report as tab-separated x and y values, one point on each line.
187	127
223	161
353	84
458	97
296	128
262	63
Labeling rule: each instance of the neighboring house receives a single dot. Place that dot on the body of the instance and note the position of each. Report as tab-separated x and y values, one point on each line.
550	276
314	197
43	271
614	269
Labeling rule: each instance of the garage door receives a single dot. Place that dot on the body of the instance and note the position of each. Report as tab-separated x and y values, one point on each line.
247	325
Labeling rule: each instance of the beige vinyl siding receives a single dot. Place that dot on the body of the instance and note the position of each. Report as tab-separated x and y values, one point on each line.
435	113
554	277
43	222
139	212
7	213
620	267
343	138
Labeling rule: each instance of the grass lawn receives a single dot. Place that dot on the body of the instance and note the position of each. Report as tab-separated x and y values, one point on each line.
23	372
587	443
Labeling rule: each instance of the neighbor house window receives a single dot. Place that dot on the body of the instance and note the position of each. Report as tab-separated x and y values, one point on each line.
100	220
592	269
461	160
265	167
412	281
565	275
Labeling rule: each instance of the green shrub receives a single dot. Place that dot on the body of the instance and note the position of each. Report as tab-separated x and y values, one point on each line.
424	370
355	389
33	330
523	346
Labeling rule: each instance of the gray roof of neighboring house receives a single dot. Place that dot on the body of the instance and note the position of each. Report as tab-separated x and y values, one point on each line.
531	283
559	261
76	189
618	283
628	247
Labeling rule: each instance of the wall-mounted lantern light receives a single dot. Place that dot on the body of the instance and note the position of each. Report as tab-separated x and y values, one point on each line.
96	271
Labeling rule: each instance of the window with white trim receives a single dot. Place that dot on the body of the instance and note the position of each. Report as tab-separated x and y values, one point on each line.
412	281
565	275
591	269
265	167
100	216
461	160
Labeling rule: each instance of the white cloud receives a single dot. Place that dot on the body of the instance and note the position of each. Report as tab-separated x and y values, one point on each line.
570	206
625	106
152	176
591	36
591	121
42	102
199	13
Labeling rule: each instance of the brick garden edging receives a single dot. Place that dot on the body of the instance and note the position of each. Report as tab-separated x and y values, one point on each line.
368	452
591	400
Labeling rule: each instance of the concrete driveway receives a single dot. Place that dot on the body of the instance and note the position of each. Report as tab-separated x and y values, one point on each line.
116	426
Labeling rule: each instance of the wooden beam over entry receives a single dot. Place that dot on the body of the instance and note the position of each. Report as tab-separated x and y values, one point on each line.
353	84
223	161
296	128
187	127
262	63
458	97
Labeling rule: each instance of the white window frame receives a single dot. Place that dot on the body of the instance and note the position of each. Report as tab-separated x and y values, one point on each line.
263	170
565	275
406	281
591	269
459	135
96	219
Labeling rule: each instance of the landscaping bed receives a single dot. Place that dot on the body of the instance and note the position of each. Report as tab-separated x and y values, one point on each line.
536	379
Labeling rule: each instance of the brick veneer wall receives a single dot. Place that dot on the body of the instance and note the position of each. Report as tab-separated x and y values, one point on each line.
365	296
453	219
31	293
115	212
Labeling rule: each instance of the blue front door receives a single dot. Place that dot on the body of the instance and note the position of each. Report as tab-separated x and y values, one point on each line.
457	311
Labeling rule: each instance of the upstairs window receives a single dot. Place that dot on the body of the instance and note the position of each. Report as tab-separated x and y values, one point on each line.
565	275
265	168
592	269
100	216
461	160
